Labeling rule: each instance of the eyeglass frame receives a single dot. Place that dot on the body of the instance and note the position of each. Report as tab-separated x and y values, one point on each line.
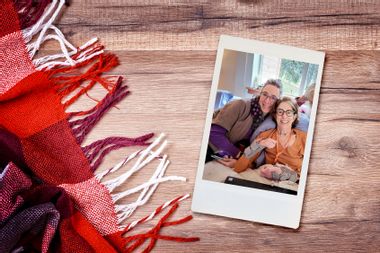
272	98
288	113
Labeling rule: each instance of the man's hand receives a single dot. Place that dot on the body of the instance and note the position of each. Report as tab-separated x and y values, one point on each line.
227	161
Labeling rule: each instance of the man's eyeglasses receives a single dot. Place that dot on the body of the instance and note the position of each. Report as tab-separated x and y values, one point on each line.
288	113
267	96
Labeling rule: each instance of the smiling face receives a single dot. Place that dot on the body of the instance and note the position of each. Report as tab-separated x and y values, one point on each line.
285	115
268	96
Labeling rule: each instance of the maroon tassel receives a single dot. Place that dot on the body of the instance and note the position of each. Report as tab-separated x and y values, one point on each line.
96	151
82	127
30	11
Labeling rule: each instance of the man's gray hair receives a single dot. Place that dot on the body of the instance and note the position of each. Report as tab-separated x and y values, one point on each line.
275	82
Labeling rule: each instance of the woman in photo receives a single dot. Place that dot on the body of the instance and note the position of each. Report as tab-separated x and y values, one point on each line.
284	146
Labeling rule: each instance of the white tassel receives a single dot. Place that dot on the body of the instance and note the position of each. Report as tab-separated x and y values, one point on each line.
31	31
160	171
52	64
121	195
125	211
42	26
43	62
46	26
101	175
62	45
147	189
113	183
66	42
142	199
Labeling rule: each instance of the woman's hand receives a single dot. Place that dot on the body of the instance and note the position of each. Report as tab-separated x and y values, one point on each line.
227	161
268	143
278	172
266	170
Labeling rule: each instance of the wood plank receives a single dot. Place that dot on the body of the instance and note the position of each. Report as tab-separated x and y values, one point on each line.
181	25
362	67
220	236
164	71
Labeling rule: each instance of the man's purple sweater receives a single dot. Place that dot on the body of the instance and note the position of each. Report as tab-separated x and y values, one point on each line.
218	138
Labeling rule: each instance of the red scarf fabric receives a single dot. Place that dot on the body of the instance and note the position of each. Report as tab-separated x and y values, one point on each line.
40	144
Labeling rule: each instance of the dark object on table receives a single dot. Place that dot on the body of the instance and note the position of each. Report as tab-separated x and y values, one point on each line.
247	183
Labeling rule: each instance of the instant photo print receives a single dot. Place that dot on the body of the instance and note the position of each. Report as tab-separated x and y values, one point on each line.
258	133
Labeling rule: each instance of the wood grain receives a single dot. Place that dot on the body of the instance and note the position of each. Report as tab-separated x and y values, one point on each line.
167	53
196	25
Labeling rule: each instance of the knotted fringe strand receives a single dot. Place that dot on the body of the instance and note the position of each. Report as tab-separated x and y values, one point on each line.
126	211
37	24
134	241
101	148
67	84
96	151
29	11
82	127
147	189
145	157
158	210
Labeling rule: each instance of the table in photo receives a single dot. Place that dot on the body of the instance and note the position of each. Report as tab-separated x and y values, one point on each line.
217	172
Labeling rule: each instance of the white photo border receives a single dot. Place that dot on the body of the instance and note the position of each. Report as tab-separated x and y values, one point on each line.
250	203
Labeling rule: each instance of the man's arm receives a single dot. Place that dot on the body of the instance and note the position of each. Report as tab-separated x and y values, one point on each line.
218	138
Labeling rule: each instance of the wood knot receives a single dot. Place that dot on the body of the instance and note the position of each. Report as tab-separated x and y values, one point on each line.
347	144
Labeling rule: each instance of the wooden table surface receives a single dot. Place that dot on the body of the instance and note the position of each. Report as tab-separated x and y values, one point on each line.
167	52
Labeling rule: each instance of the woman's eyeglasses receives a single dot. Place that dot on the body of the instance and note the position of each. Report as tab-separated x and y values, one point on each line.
288	113
272	98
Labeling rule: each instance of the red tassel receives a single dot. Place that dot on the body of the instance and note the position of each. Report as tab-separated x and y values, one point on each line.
154	235
67	84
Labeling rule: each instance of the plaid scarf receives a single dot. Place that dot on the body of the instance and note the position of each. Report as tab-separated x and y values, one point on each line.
51	200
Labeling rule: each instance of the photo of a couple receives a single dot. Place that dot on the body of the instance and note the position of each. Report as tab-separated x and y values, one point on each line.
260	121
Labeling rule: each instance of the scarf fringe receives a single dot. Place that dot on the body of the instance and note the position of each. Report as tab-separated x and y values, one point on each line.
30	11
67	82
147	189
141	162
158	210
81	127
134	241
41	29
96	151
